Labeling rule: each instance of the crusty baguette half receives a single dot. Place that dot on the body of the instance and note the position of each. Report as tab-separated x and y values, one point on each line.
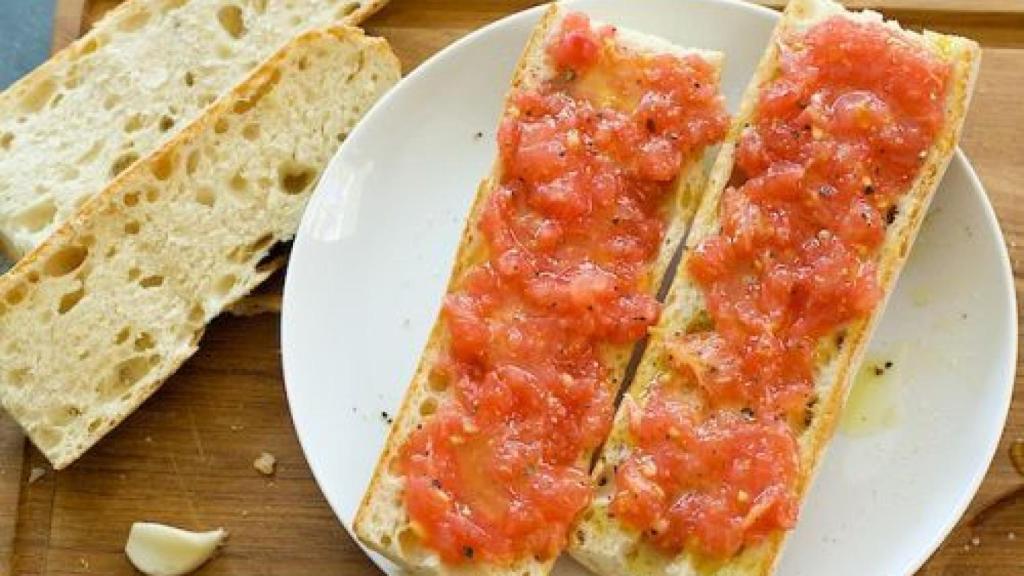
142	74
101	313
382	522
605	544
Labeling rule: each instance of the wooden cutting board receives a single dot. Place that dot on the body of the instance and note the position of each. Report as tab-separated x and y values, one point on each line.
186	456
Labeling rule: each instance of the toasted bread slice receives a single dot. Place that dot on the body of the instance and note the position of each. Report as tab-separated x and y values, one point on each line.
604	543
96	317
142	74
382	521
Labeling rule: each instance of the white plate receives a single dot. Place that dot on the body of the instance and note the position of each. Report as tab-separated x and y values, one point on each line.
373	253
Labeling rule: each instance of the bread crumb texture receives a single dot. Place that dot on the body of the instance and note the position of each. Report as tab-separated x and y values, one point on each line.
101	313
136	80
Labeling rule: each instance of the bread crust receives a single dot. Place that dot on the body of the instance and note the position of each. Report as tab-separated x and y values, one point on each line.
381	522
71	231
609	547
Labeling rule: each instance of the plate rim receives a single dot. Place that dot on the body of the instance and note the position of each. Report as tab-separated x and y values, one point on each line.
977	188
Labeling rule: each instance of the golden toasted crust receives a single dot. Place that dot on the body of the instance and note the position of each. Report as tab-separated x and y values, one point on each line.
381	521
607	546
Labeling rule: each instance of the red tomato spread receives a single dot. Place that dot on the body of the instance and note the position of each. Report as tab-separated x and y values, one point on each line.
838	137
499	471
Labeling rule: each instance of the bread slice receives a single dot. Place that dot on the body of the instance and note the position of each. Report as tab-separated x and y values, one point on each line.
141	75
609	547
110	305
382	522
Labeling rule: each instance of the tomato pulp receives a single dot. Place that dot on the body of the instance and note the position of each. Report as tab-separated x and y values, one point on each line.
588	162
837	139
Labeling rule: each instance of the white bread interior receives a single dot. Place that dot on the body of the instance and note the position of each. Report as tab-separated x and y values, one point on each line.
103	311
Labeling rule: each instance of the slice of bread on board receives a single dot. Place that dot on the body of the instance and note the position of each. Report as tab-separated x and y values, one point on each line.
135	80
382	522
605	544
110	305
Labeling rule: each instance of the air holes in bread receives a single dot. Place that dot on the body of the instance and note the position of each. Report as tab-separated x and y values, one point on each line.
238	183
437	381
70	300
411	545
259	5
190	79
65	261
47	436
111	101
122	163
428	407
131	199
15	295
163	165
6	140
232	20
133	274
134	22
144	342
192	162
153	281
17	377
206	197
89	46
173	4
197	315
347	8
166	123
36	217
90	154
94	425
38	95
62	415
224	284
152	195
132	227
251	132
221	125
124	376
123	335
295	178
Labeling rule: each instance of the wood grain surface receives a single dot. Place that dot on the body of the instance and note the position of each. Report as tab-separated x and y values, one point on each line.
186	456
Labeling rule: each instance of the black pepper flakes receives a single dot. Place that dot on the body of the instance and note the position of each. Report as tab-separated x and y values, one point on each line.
890	214
651	126
467	551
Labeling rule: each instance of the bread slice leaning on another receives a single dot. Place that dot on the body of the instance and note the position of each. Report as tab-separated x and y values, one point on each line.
143	73
382	521
101	313
609	547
